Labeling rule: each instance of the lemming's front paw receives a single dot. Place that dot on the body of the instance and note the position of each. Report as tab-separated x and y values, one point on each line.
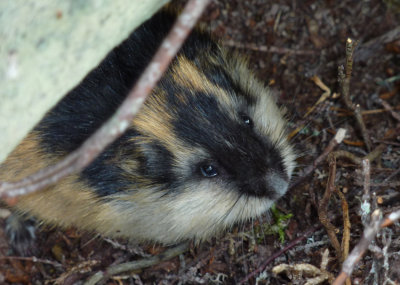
21	236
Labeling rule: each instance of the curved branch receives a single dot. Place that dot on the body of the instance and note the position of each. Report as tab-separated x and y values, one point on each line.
120	121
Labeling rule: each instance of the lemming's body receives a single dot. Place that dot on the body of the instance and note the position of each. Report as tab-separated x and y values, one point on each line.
207	150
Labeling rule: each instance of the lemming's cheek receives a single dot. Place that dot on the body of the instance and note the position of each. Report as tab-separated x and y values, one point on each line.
268	119
202	196
207	202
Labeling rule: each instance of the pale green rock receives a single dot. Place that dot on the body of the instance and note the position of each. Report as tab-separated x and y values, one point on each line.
48	46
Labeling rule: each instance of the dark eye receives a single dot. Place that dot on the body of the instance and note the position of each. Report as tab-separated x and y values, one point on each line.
246	119
208	171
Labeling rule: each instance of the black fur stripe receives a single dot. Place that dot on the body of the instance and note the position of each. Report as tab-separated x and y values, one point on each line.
243	155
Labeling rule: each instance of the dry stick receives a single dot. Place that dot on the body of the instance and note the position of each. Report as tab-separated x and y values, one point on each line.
76	270
375	153
358	160
100	276
391	176
344	80
345	245
389	109
356	254
350	156
383	184
366	197
34	260
393	217
338	138
369	234
323	208
279	253
346	229
387	142
120	121
372	47
270	49
342	112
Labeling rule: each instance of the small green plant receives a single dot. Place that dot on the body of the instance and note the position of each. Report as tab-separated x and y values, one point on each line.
281	221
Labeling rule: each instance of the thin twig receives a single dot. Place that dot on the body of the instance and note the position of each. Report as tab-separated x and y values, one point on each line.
389	220
372	47
383	184
344	80
100	276
135	250
348	155
77	270
389	109
323	208
270	49
369	234
34	260
375	153
120	121
366	197
391	175
358	160
387	142
359	250
332	144
279	253
345	245
344	112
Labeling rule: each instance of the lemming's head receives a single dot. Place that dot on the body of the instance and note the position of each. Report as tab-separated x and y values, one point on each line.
209	145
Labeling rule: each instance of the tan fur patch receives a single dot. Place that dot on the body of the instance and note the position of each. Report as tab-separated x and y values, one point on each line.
25	160
66	203
154	120
186	74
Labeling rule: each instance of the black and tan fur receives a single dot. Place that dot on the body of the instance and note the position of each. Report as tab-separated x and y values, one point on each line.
148	185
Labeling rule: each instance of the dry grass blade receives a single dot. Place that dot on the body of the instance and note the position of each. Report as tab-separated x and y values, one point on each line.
324	96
